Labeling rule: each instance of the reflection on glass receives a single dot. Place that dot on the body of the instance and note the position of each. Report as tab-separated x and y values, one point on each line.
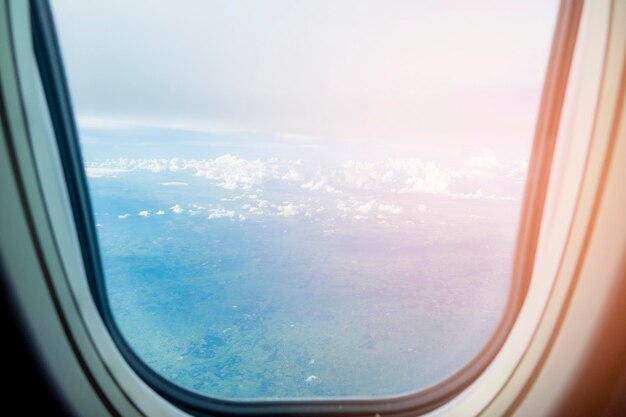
306	199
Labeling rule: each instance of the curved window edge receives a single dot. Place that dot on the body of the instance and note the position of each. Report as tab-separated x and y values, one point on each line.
56	91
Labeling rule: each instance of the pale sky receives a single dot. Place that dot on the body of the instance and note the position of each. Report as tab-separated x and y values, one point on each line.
443	72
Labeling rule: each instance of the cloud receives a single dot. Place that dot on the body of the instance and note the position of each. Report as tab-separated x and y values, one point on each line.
485	160
288	209
155	165
426	177
233	173
387	177
293	175
519	172
160	213
476	194
235	198
366	175
123	216
173	165
376	178
220	212
366	208
390	208
95	172
341	206
144	213
396	175
504	197
317	184
176	208
109	167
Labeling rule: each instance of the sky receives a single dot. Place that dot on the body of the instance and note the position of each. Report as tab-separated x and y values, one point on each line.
410	75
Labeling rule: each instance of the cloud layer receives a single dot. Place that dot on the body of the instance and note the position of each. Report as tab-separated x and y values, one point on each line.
379	191
399	176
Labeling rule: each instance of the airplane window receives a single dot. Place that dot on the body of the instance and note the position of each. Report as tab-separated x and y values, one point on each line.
306	199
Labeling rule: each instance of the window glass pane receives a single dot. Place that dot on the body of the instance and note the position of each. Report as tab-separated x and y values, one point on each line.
306	198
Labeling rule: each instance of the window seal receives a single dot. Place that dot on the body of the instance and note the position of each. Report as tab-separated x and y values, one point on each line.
52	73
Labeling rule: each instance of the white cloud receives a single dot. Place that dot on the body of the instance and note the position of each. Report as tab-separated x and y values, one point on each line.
360	217
160	213
341	206
123	216
390	208
235	198
174	165
366	175
144	213
485	160
287	209
387	177
229	171
109	167
497	197
366	208
233	172
519	172
293	175
428	178
220	212
399	176
176	208
96	172
174	184
315	184
396	175
476	194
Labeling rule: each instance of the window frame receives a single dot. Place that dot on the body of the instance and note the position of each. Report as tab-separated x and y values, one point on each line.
58	103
